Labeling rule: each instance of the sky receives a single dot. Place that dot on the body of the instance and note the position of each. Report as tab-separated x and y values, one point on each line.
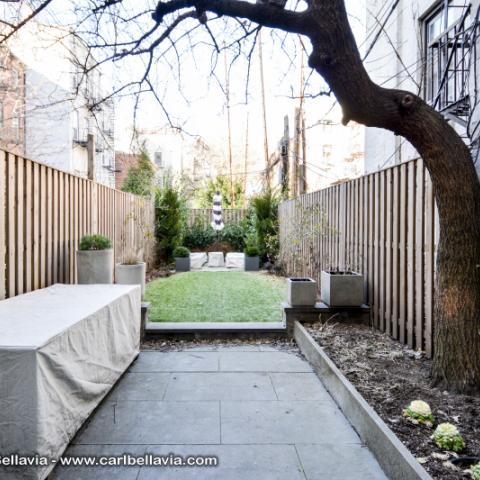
193	93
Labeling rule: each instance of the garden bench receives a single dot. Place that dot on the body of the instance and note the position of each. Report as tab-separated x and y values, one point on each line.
62	349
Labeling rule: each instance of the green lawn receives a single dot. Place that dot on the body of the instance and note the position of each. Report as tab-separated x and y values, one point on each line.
216	297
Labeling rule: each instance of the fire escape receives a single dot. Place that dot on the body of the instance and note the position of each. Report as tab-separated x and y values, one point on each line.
451	72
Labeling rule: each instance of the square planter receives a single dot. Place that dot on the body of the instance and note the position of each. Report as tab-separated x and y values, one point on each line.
342	289
252	264
302	292
182	264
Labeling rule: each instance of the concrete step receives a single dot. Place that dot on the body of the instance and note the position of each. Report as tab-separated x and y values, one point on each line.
215	330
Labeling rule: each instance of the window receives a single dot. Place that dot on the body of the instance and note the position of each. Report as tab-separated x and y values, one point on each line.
327	153
15	129
158	159
447	54
15	78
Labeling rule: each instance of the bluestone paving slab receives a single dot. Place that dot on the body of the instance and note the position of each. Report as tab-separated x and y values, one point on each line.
220	386
262	362
339	462
284	422
192	361
264	414
236	462
134	422
299	386
141	386
99	472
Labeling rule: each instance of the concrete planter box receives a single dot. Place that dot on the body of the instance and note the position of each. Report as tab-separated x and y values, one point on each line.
182	264
340	289
94	266
301	292
131	275
252	264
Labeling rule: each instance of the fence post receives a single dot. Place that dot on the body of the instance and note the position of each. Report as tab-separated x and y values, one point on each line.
91	156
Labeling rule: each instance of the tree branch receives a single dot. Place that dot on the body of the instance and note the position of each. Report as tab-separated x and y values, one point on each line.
263	14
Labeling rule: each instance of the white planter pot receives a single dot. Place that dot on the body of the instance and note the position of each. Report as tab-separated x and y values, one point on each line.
341	289
131	275
302	292
94	266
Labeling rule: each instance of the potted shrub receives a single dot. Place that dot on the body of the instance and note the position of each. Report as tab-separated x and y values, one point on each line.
95	260
182	259
342	288
302	292
131	271
252	259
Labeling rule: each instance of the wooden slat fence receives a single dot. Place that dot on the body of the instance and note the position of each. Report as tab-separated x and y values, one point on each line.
43	214
383	225
203	216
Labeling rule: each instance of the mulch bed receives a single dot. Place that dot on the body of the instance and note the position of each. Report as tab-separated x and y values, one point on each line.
389	376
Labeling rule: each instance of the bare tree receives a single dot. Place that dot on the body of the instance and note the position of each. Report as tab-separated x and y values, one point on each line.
334	55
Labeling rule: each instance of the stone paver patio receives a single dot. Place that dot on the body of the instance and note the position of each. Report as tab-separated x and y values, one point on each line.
261	411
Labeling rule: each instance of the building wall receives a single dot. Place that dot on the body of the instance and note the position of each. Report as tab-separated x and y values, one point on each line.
397	60
123	161
12	103
61	102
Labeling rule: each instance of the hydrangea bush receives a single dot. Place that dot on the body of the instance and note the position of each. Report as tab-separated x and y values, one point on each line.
447	437
420	411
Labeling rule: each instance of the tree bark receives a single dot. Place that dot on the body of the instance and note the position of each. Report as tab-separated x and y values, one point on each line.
336	58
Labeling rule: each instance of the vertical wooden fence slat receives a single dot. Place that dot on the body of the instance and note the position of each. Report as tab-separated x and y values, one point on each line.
11	226
378	278
20	206
36	226
371	238
395	251
3	226
49	226
55	226
402	294
388	253
61	227
429	264
43	225
411	254
28	194
419	246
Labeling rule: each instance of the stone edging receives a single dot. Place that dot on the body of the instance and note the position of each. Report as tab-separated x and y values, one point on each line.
395	459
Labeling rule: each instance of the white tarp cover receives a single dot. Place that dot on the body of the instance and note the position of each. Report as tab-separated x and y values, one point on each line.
235	260
198	260
62	349
216	259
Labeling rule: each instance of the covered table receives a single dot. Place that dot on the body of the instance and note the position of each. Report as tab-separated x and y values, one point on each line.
62	349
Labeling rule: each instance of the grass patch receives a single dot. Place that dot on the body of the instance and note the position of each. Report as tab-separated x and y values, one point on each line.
216	297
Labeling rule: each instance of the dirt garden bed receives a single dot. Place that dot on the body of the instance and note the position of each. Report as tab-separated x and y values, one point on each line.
389	376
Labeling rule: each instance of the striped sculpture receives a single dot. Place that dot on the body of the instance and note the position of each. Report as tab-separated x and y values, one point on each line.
217	222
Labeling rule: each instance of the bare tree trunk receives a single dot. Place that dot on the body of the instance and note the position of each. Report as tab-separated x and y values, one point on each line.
457	193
